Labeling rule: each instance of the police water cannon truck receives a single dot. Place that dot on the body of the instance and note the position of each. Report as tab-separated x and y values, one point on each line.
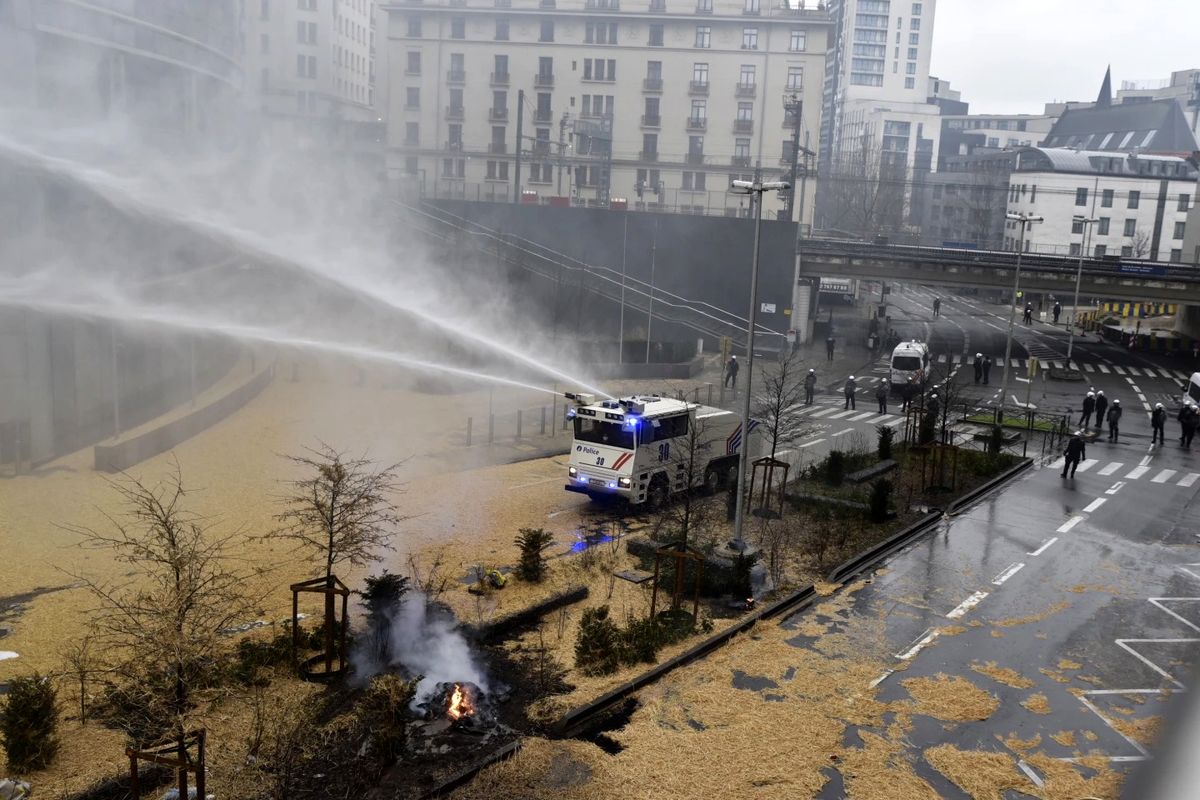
644	448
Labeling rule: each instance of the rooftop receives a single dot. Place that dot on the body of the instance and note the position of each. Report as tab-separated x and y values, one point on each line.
1156	126
1066	159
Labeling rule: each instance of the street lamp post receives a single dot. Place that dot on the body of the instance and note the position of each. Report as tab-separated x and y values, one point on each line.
755	187
1085	224
1025	220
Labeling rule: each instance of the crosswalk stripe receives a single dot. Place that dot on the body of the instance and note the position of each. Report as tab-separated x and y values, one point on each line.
1180	376
1054	365
1119	370
1058	462
1087	464
841	414
882	418
861	417
1190	479
894	422
1089	368
824	411
1163	476
1136	473
1111	468
1104	369
1016	364
941	359
1166	373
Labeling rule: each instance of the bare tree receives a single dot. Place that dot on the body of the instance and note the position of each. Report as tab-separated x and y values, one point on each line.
782	391
686	465
1140	242
163	626
983	202
342	513
865	192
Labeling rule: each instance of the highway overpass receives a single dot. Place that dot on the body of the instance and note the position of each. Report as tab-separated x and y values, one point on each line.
990	269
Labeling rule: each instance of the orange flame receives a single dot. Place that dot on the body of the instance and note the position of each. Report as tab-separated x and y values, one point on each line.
460	704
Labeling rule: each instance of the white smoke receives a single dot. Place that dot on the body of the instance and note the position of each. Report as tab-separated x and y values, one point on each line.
424	642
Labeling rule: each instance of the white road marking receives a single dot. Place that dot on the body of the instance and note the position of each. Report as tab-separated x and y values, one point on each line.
860	417
1108	722
1104	369
842	433
1145	461
1087	464
881	418
1165	373
1156	601
1124	645
894	422
967	605
824	411
1163	476
1089	368
1071	523
1092	506
1179	375
927	637
1118	370
1043	548
1111	468
1008	573
810	444
842	414
1190	479
1116	487
1029	773
1136	473
883	677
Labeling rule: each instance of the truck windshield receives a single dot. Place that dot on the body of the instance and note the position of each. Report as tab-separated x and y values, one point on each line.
906	362
606	433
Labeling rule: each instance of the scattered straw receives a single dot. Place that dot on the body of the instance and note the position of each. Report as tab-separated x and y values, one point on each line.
982	775
825	589
1013	621
950	698
1037	703
1066	663
1066	738
1055	675
1009	677
1064	782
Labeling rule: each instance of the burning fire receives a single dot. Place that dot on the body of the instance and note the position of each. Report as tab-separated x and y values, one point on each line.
460	703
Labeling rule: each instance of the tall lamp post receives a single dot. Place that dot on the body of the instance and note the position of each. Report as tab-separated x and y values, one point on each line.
1024	220
1084	224
756	188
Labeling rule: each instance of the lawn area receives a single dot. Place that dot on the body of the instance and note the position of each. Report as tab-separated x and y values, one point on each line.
1019	423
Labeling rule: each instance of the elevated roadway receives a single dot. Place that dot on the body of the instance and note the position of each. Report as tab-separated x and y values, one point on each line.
993	269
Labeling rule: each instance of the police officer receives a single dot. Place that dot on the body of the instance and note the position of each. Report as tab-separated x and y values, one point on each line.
810	385
1076	451
1057	311
1158	420
1028	314
978	368
1101	408
731	371
1089	408
829	342
1190	423
987	368
1114	420
937	307
851	388
881	394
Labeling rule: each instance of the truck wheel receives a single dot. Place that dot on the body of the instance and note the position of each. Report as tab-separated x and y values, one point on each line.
659	493
712	480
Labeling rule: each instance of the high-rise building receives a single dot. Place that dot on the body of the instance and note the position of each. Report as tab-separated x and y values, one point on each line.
656	102
1183	87
879	132
312	61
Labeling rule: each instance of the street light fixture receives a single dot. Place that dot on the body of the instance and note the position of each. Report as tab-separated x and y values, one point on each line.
1025	220
755	187
1084	224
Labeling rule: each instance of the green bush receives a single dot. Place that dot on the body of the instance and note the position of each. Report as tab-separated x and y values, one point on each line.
835	468
252	656
640	641
885	435
29	723
598	648
533	543
881	495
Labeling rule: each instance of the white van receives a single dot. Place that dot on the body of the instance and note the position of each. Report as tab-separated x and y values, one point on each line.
908	359
1191	390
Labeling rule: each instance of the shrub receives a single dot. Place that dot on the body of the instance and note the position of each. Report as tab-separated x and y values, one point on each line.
29	723
835	468
881	495
254	655
533	543
995	440
640	641
885	435
381	598
597	650
384	711
927	431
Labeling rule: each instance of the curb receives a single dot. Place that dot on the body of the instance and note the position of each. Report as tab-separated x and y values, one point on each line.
960	504
868	558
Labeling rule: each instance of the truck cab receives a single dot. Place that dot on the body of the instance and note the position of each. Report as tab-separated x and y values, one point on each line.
643	448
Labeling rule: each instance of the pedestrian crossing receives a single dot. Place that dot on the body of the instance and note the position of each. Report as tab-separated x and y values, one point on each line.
1161	476
835	412
1060	363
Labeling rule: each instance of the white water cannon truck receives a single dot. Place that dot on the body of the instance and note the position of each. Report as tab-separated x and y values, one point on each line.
644	448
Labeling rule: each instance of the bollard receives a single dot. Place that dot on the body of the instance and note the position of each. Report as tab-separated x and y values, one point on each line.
470	422
491	428
710	394
696	395
543	421
721	402
518	423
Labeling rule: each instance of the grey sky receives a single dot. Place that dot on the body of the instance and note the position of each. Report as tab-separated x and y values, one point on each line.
1012	56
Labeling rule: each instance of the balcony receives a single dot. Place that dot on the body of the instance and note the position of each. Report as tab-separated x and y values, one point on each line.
704	7
743	126
789	121
739	161
602	5
698	87
751	12
456	76
543	80
541	149
547	4
746	89
498	114
697	123
651	121
652	85
658	6
454	112
543	115
499	79
455	146
497	147
648	155
694	158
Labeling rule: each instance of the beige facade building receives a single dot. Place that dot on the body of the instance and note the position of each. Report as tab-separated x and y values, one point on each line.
659	103
311	60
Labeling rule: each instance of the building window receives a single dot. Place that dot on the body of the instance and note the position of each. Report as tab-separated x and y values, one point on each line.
656	35
1076	248
699	110
1102	226
795	79
741	150
412	133
703	35
414	26
910	83
1106	198
1076	227
412	97
410	165
1081	196
1101	250
307	5
501	30
914	39
745	112
1177	255
458	28
1127	251
654	72
912	54
747	76
1130	227
454	132
306	32
1135	198
1185	202
704	6
264	9
914	24
306	66
547	31
751	7
414	62
649	146
916	9
700	74
749	38
695	143
910	68
798	42
1178	230
601	32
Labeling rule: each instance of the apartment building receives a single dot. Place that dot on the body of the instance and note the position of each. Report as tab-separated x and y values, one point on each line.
312	60
1140	202
1183	87
655	103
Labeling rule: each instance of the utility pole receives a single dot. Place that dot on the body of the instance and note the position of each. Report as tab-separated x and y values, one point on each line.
650	307
517	170
794	106
562	145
